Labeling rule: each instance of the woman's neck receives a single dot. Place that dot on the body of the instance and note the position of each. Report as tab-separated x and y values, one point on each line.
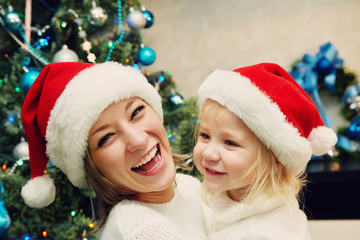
163	196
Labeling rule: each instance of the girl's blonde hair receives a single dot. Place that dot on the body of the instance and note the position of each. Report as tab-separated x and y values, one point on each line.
108	194
269	177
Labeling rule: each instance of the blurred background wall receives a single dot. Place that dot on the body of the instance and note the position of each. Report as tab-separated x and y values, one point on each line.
193	37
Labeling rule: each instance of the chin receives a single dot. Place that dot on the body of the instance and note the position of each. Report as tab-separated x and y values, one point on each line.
213	188
166	177
169	175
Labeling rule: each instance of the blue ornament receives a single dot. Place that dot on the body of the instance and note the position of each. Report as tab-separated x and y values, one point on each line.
146	56
324	66
5	220
12	20
351	94
308	59
353	131
149	18
28	78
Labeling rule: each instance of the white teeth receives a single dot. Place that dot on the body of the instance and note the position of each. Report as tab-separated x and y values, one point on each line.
157	164
147	158
212	171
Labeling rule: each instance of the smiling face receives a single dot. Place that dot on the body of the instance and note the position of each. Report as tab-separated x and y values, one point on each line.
225	150
129	146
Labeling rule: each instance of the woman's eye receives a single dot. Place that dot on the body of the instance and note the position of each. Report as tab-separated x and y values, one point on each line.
104	139
137	111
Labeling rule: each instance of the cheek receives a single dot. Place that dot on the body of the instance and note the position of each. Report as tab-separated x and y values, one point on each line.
108	158
153	125
236	165
197	155
112	166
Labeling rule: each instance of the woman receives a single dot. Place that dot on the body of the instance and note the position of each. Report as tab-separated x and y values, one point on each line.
102	126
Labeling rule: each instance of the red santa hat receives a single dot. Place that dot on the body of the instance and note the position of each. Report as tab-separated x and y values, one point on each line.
275	108
59	110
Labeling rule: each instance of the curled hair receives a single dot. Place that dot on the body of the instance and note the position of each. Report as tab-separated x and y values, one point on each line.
109	194
272	179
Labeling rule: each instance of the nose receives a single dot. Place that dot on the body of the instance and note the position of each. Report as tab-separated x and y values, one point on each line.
211	152
136	139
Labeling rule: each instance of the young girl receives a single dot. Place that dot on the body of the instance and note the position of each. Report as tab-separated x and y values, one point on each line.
102	126
258	130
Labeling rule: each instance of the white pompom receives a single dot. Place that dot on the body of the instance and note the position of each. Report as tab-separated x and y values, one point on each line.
322	139
39	192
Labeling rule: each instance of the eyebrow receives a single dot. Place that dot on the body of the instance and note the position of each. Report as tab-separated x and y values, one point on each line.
129	104
203	127
127	107
99	130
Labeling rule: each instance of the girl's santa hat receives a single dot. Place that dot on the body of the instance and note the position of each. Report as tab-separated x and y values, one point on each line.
59	110
275	108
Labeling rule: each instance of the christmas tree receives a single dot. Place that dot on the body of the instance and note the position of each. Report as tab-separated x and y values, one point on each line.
36	33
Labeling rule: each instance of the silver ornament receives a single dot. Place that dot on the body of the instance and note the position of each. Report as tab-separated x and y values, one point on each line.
21	150
97	16
65	55
12	20
136	20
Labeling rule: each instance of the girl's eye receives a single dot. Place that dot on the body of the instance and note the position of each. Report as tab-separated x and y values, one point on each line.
230	143
104	139
204	136
137	111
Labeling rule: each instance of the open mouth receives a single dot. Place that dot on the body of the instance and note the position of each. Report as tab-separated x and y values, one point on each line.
213	172
149	163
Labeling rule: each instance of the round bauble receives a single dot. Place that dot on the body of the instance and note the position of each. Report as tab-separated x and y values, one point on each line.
65	55
97	16
176	99
28	78
12	21
21	150
149	17
146	56
136	20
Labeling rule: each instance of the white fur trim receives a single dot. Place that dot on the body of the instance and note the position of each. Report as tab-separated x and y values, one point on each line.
80	105
39	192
260	114
322	139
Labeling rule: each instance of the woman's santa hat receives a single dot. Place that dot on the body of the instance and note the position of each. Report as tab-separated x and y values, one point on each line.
275	108
59	110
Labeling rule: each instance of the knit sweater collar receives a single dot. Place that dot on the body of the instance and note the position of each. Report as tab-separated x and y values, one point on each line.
225	210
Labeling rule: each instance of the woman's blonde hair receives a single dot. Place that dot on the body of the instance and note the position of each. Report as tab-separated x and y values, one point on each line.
108	194
269	177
